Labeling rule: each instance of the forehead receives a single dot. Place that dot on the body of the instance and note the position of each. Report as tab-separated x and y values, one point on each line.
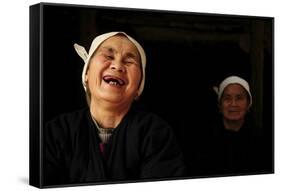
234	89
119	43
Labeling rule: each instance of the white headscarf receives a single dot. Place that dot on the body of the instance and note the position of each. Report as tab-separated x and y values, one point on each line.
233	80
95	44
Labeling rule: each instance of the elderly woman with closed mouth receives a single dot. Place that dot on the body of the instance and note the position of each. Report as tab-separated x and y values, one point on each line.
235	100
236	146
109	140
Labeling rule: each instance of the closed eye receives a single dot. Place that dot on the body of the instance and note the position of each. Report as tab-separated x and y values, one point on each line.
130	60
240	97
108	57
227	97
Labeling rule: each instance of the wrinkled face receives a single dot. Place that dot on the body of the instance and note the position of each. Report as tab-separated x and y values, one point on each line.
114	72
234	103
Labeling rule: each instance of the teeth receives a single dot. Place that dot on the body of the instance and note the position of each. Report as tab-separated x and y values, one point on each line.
113	83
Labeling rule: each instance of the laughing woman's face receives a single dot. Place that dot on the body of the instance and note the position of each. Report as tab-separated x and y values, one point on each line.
114	73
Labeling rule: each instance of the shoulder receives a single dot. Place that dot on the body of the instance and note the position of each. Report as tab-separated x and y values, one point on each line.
148	123
216	125
147	118
69	117
66	122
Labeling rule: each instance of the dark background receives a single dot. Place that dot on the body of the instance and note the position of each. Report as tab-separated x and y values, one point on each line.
187	54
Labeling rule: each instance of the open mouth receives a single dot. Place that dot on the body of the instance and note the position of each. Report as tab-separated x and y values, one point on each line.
112	80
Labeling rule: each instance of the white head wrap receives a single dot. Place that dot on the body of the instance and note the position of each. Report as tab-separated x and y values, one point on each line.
95	44
233	80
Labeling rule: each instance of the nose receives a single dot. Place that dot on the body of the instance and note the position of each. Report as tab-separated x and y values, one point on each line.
233	102
117	66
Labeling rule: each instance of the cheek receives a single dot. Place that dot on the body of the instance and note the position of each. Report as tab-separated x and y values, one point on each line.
95	69
243	103
92	78
245	107
135	75
224	111
223	106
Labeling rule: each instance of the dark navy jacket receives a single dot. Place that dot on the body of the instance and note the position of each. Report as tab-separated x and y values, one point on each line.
142	146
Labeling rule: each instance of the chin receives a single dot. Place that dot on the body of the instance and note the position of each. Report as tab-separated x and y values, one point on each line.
234	118
112	98
115	97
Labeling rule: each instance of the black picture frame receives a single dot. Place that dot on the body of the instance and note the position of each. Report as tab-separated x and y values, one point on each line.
188	53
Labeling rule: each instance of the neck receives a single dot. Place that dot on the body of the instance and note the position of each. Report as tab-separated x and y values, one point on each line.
233	125
107	115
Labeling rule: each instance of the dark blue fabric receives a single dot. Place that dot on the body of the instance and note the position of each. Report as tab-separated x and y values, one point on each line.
142	146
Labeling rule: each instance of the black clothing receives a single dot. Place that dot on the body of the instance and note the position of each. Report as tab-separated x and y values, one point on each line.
142	146
234	152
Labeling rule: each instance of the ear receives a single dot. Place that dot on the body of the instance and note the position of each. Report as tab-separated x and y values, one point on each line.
137	96
249	107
